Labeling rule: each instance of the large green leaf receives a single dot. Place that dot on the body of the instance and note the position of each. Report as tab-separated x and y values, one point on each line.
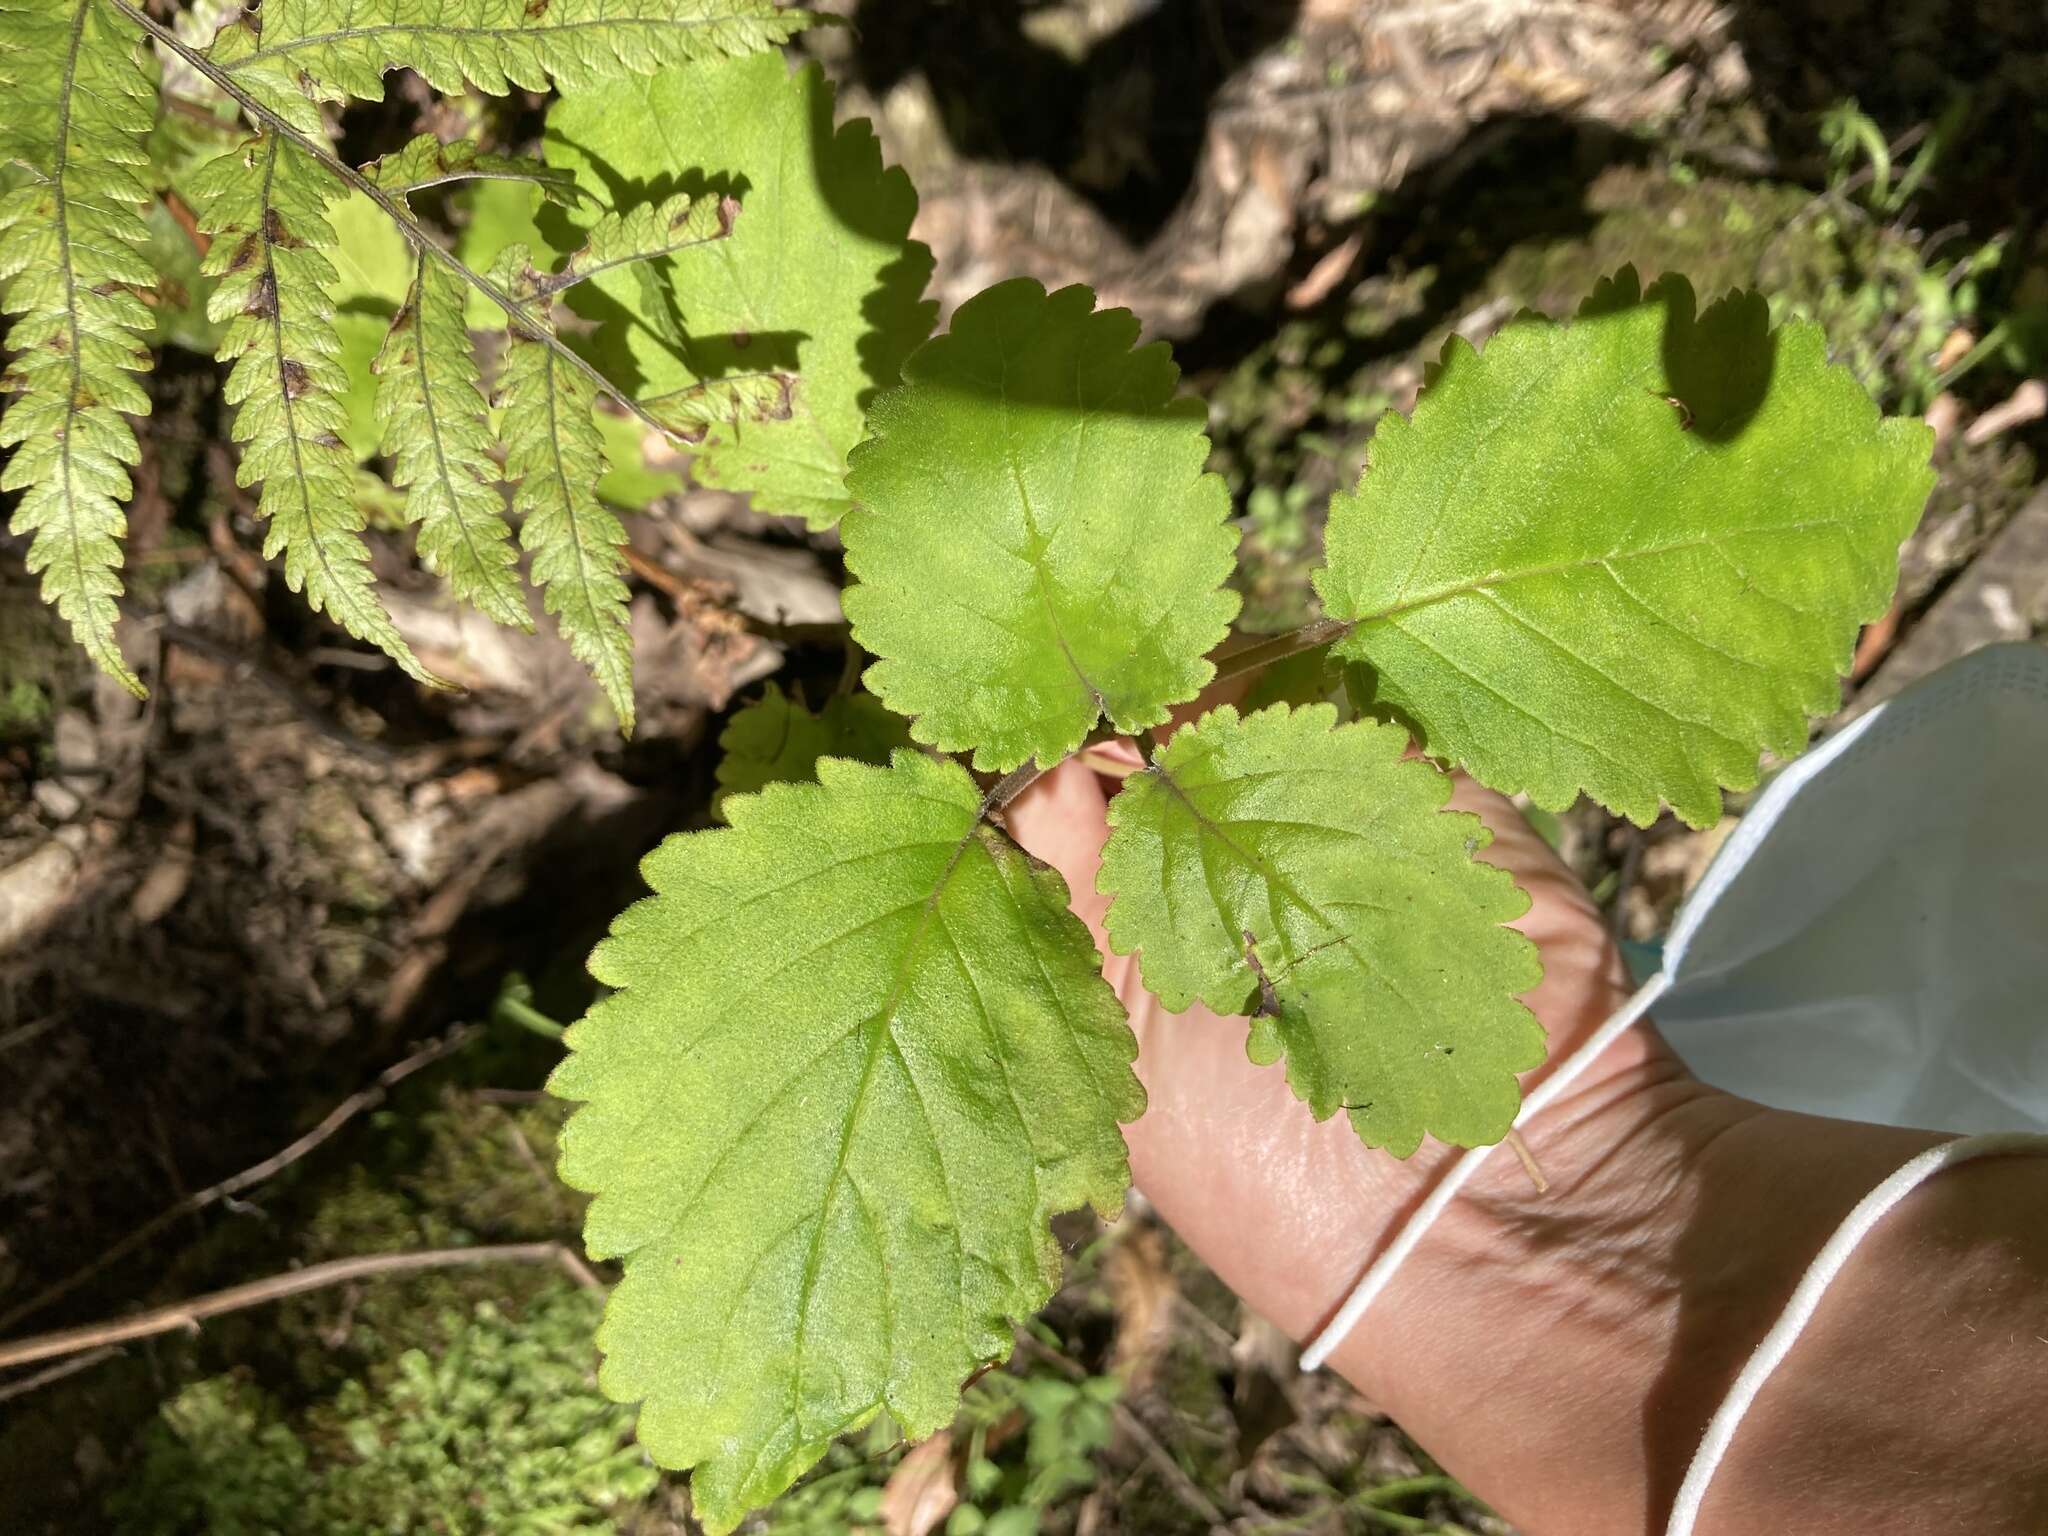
819	275
1310	877
1622	556
1036	543
861	1052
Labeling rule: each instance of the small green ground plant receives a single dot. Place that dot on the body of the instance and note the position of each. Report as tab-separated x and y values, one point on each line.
857	1050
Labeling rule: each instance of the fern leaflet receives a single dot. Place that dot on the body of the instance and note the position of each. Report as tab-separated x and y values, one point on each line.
554	452
70	252
430	405
264	204
426	162
295	54
641	234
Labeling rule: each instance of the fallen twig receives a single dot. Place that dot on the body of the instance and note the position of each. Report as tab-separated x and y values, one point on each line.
234	1184
188	1315
57	1372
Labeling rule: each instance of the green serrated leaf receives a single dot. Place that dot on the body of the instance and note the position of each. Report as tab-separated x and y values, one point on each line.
426	162
265	204
1036	543
80	104
299	53
1622	556
819	278
776	740
555	453
1310	876
860	1053
430	404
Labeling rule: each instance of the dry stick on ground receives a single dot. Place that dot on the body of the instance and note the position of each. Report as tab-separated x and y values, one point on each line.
340	1115
58	1372
188	1315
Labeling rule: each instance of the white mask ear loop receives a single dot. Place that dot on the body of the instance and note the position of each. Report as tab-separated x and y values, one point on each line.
1776	1344
1806	1298
1460	1173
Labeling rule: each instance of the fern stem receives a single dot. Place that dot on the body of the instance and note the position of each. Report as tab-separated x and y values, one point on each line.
415	234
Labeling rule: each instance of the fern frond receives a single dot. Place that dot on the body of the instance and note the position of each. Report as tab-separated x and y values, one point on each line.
556	455
297	53
427	162
264	203
430	405
79	106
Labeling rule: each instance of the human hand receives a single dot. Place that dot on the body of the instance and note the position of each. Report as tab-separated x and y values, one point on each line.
1562	1352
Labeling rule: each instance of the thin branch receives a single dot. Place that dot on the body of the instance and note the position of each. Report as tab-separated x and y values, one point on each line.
336	1118
1009	787
57	1372
415	234
188	1315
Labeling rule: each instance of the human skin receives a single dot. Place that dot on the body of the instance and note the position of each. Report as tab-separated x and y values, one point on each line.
1561	1353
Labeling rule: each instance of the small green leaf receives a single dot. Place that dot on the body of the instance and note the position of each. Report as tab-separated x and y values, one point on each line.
1036	543
819	279
1311	877
1622	556
860	1053
776	740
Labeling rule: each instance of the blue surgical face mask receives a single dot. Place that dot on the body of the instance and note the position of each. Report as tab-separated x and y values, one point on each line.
1872	940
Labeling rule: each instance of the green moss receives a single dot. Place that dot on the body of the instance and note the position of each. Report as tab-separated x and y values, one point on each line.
24	710
499	1430
489	1169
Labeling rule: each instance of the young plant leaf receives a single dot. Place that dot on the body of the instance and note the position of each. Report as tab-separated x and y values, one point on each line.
430	402
819	278
775	740
1037	545
299	53
71	240
265	206
1310	877
860	1053
1622	556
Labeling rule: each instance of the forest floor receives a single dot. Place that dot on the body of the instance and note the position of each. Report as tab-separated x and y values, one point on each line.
291	894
